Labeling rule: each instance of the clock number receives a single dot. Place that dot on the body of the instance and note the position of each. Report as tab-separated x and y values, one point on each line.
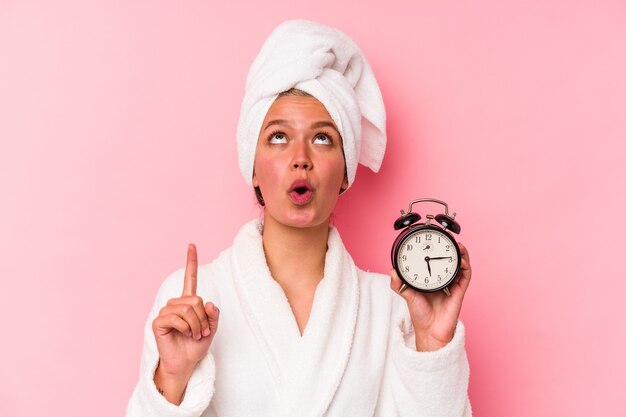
409	247
406	268
447	248
450	259
438	277
429	236
446	270
425	280
404	257
418	239
439	240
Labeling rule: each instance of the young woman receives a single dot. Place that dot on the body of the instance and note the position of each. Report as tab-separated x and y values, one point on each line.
302	330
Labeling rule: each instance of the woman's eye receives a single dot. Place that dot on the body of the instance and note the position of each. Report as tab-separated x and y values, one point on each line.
278	138
323	139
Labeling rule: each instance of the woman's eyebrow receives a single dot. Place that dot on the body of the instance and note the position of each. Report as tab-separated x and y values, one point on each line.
277	122
324	124
315	125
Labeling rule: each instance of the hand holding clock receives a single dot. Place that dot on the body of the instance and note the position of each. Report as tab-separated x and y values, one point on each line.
434	315
183	331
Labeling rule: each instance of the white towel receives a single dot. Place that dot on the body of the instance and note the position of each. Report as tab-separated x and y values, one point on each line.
327	64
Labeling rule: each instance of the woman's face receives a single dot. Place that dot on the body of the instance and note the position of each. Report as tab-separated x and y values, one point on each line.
299	164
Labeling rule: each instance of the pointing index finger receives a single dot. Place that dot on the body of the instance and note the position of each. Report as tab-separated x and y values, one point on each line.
191	271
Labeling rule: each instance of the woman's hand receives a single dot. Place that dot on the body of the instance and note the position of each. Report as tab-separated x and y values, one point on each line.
183	331
434	315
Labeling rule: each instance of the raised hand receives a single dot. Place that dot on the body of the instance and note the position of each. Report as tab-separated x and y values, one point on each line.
434	315
183	331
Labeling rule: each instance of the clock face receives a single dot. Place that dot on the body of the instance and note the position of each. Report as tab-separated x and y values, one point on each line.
427	259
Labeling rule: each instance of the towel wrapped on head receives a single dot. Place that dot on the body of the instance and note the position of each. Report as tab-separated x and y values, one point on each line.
326	63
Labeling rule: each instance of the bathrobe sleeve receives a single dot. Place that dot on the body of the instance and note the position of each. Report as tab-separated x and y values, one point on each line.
427	384
145	399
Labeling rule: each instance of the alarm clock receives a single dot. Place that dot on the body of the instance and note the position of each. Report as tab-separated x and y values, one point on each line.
425	255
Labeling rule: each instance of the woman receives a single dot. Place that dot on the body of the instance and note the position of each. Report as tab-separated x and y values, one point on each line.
302	330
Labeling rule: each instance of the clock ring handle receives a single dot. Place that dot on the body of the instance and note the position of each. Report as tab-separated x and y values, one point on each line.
434	200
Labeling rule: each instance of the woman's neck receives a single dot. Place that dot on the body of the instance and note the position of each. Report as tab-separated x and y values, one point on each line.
295	256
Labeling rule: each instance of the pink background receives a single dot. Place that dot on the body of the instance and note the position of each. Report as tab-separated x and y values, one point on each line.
117	126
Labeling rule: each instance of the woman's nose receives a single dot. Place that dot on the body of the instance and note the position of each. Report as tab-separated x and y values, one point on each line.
301	158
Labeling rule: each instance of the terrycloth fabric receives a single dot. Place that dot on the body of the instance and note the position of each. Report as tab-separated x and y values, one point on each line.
355	358
327	64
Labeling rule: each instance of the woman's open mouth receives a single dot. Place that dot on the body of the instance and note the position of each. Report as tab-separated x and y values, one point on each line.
300	192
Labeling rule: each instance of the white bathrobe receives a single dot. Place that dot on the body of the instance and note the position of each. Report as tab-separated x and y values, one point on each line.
356	357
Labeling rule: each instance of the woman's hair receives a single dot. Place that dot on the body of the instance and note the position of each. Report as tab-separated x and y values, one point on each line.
294	92
290	92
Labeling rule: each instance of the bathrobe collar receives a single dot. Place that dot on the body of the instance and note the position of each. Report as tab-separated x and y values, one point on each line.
307	369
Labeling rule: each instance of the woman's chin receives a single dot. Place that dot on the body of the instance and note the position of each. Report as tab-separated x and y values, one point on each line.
302	219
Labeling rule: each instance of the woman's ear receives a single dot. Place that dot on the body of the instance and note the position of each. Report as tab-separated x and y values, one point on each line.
344	184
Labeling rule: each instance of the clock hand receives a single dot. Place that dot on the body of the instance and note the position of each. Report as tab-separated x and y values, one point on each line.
441	257
427	259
